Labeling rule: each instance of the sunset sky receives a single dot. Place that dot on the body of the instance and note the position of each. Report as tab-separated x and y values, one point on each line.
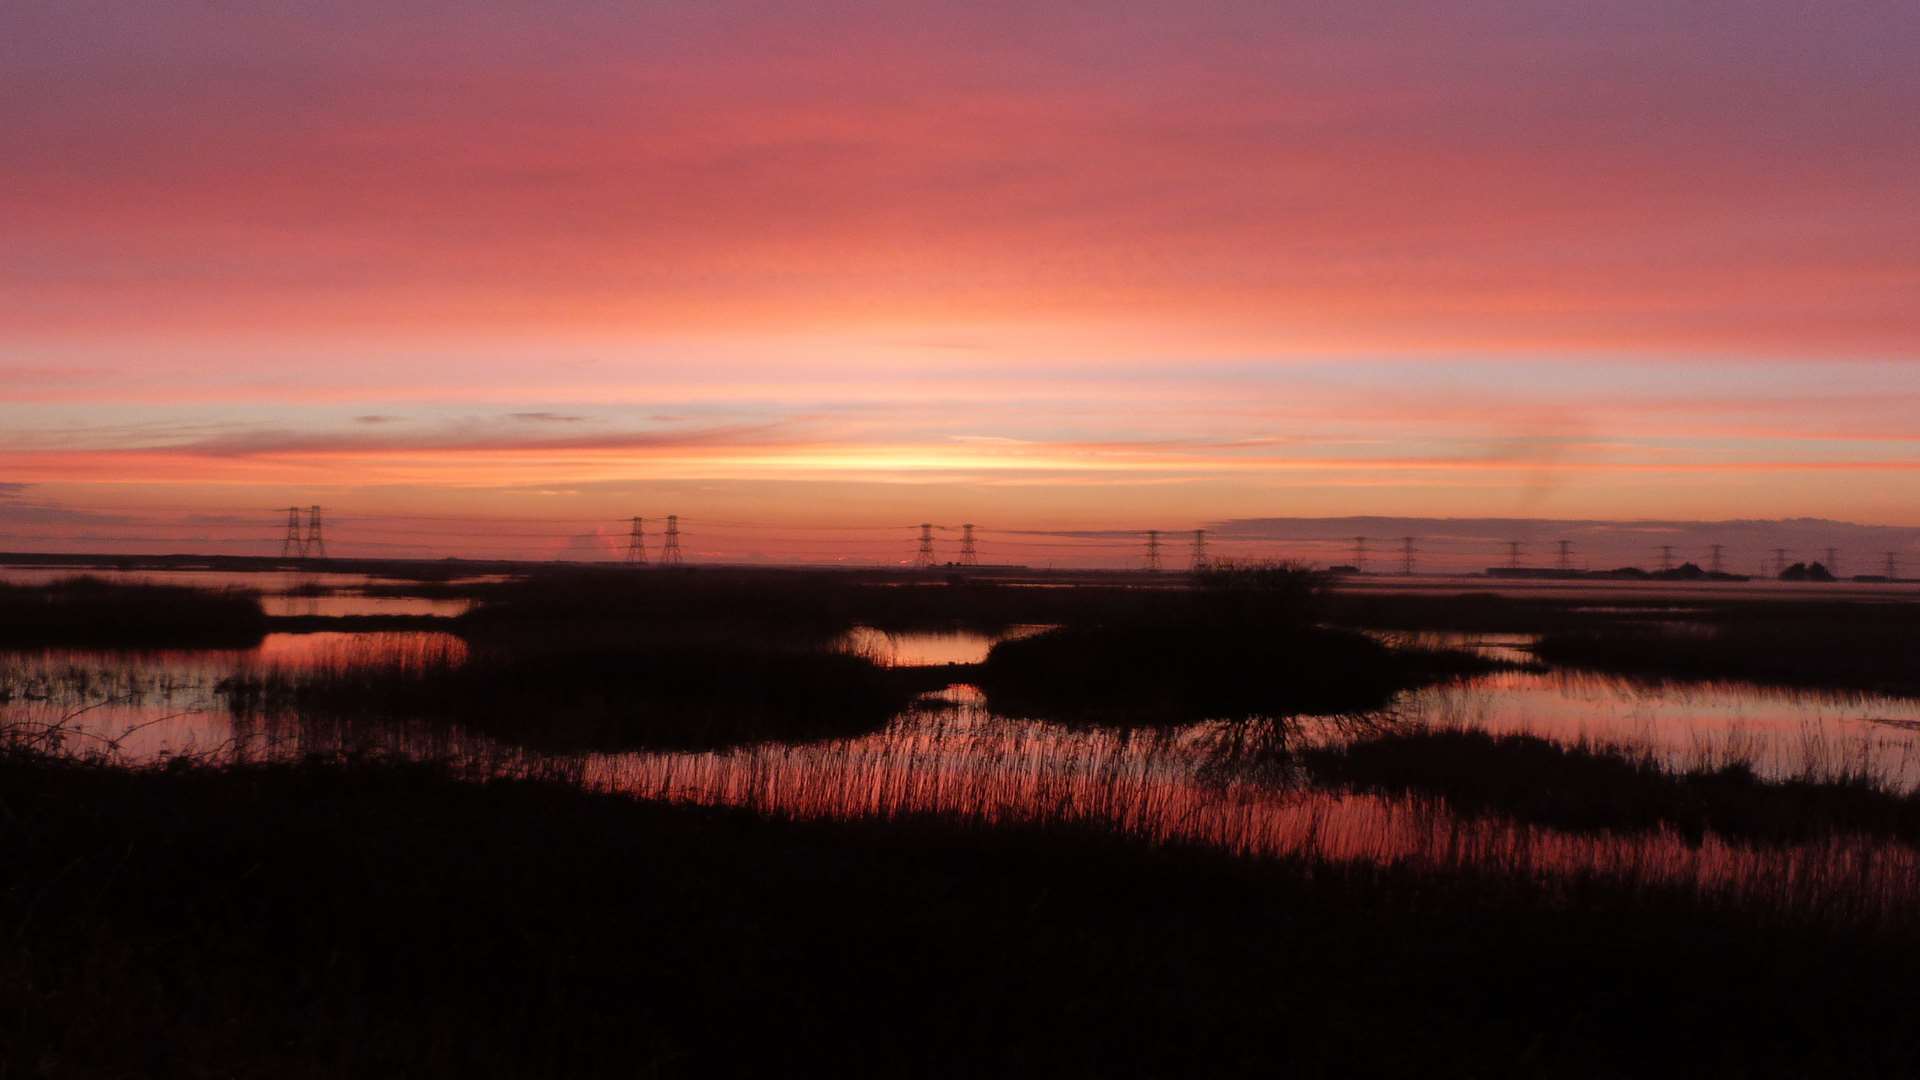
805	273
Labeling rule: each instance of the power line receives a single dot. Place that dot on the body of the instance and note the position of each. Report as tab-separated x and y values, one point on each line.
303	535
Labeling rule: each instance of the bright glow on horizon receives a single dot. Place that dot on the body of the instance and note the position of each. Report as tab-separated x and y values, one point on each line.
1048	268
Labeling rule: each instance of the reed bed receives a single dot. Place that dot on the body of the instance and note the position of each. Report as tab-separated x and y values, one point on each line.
93	612
385	918
689	694
1238	786
975	769
1870	653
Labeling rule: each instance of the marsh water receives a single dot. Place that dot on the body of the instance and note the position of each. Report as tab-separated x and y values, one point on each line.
1229	784
1225	784
166	702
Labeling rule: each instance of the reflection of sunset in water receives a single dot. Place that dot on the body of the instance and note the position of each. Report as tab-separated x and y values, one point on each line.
965	764
1784	730
1228	785
922	648
155	704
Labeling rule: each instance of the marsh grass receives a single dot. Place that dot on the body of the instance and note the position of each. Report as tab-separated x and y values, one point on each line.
1168	673
1857	652
817	605
666	829
676	694
1243	642
1248	799
381	918
1586	786
89	612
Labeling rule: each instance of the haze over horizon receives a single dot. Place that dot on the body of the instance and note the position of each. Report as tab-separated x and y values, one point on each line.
805	276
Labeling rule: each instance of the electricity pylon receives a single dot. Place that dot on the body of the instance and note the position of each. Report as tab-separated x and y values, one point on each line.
1406	555
316	545
1200	559
968	556
637	543
293	547
670	550
1153	551
923	557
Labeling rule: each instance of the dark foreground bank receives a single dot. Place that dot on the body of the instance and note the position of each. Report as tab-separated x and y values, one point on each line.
392	920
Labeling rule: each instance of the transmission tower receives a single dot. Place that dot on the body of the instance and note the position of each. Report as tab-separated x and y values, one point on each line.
637	543
1200	559
968	556
1565	560
1406	555
923	558
1360	553
1779	560
1666	556
670	549
316	545
1833	561
1153	551
1893	566
1513	554
293	547
1715	560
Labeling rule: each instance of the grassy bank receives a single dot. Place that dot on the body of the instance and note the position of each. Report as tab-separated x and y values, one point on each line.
821	603
661	695
1864	653
1244	641
1145	673
86	612
386	920
1586	787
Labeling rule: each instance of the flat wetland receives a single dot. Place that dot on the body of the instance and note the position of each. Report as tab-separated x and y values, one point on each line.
566	821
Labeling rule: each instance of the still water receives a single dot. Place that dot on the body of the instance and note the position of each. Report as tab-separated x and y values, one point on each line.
928	648
170	697
1219	783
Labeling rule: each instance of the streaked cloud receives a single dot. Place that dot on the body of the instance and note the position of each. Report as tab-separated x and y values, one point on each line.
1193	263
